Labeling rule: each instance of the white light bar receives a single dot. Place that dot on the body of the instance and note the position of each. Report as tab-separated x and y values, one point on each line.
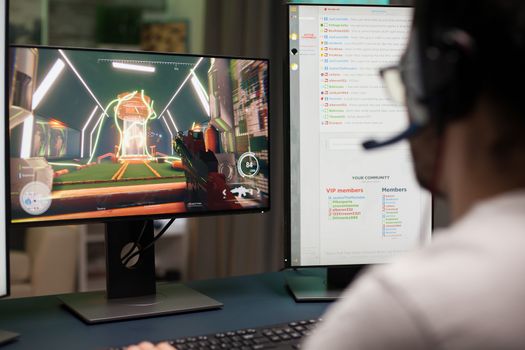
171	134
172	121
181	85
91	135
134	67
27	137
197	87
201	87
81	80
84	130
48	81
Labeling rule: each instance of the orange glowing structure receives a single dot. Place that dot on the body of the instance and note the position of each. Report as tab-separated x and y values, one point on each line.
211	139
56	124
134	112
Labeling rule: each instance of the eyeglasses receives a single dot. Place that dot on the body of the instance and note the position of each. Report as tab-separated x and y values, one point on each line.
393	80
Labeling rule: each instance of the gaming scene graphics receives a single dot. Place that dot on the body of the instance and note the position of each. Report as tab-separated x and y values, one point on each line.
98	134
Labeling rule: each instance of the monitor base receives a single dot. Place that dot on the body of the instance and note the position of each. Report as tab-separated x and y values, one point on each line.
311	288
322	288
7	337
95	307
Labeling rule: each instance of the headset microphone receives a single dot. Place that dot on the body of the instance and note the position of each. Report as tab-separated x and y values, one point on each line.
408	133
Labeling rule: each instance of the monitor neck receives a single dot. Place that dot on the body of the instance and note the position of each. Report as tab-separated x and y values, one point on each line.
137	278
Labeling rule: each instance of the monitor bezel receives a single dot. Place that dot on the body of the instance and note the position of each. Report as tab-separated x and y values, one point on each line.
44	223
287	147
6	151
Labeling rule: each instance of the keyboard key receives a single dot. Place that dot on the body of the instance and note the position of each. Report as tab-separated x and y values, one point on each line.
253	338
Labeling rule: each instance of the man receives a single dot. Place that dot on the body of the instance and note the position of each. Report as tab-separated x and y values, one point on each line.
462	72
462	77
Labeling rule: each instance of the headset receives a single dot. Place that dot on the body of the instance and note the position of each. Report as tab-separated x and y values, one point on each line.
438	74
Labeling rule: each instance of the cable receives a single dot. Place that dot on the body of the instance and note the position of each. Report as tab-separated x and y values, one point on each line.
140	251
135	244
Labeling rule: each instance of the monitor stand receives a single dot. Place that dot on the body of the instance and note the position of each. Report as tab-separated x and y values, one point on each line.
7	337
131	291
322	288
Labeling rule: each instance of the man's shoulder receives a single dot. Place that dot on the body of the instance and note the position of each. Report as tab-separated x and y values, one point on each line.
481	256
465	291
464	282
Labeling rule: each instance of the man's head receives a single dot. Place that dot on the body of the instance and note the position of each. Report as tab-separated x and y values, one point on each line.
470	60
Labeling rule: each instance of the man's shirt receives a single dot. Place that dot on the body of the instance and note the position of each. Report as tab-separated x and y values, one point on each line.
464	291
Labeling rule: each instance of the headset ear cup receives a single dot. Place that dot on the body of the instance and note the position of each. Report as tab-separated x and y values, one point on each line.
462	88
450	78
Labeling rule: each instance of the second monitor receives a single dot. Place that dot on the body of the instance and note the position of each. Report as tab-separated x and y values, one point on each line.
348	207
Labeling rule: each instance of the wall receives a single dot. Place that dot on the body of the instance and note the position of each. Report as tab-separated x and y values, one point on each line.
67	16
195	12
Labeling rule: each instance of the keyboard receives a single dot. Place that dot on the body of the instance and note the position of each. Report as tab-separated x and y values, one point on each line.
280	336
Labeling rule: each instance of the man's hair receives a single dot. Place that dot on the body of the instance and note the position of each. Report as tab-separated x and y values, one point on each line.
498	30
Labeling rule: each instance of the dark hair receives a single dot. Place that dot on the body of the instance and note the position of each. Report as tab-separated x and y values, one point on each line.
498	30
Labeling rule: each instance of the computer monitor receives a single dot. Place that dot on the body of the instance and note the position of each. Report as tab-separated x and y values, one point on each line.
348	207
117	137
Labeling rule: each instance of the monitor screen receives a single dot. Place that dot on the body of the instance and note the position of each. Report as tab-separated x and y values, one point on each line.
99	134
349	206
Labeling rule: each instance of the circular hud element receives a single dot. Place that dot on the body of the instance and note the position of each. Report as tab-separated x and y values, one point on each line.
35	198
248	165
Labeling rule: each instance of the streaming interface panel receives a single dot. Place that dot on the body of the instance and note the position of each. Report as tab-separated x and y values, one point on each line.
349	206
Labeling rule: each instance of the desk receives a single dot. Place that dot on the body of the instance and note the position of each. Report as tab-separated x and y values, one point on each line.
249	301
